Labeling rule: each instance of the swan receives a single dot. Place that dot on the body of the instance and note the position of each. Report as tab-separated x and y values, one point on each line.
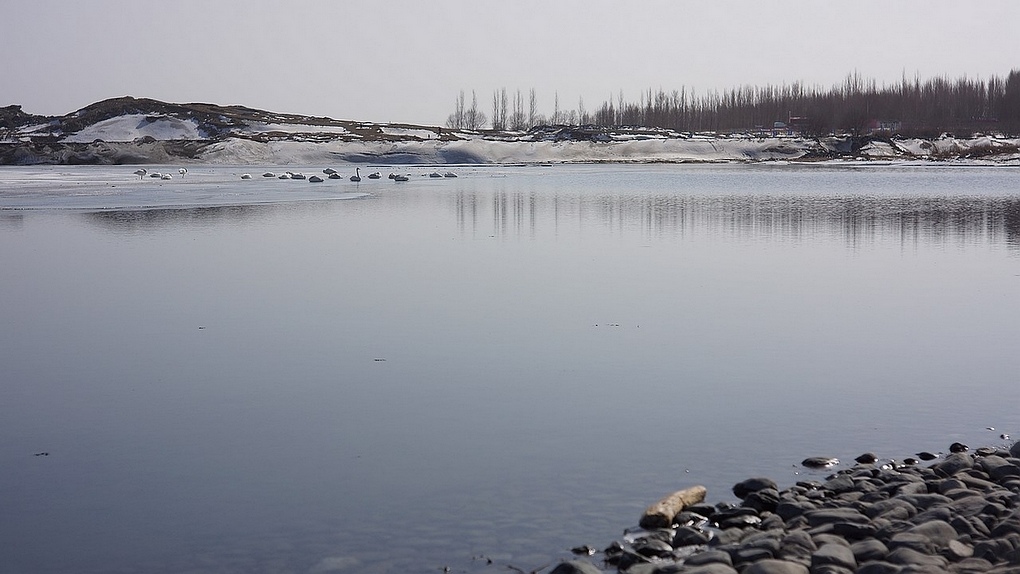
182	171
269	174
400	178
315	179
329	171
245	176
357	175
374	175
141	172
166	176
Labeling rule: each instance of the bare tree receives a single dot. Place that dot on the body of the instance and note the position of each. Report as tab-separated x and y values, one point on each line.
517	117
456	119
473	118
532	109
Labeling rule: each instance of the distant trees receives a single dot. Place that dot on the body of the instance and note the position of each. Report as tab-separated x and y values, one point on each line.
857	105
470	118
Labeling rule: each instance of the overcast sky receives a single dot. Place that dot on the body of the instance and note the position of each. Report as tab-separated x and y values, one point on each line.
406	60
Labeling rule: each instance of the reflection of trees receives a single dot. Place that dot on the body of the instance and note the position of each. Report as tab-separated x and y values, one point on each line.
857	220
124	220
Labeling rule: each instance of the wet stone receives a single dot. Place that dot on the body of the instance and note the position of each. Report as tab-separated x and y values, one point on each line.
709	556
743	488
870	549
879	567
834	555
774	566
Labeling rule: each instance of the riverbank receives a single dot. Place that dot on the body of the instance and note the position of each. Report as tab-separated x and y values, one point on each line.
958	513
143	131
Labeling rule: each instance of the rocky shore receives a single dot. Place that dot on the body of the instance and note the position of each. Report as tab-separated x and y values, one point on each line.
958	513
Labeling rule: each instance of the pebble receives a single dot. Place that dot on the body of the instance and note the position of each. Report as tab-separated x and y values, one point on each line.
960	514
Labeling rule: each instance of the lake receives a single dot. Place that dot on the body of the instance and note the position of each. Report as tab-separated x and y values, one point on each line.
279	376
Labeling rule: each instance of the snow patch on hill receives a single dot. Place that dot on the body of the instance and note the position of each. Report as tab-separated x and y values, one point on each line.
130	127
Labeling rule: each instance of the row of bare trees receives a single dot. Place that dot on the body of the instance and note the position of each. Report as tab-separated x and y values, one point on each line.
858	105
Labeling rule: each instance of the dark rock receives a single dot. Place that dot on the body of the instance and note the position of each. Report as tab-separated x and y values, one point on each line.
904	556
957	550
913	541
819	462
709	556
972	566
878	567
834	555
839	484
1014	450
774	566
953	464
939	532
689	536
998	468
764	500
575	567
788	509
712	568
925	455
869	549
958	447
743	488
833	515
867	458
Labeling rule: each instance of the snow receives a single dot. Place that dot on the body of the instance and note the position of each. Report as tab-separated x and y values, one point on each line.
295	128
424	134
130	127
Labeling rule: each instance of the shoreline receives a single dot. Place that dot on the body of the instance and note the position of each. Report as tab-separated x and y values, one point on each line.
958	513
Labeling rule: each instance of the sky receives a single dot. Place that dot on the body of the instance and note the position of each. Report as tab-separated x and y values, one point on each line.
406	61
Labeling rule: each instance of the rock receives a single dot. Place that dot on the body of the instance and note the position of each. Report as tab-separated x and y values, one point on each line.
867	458
953	464
904	556
867	550
1014	450
764	500
712	568
833	555
958	447
689	536
819	462
709	557
774	566
878	567
575	567
925	455
743	488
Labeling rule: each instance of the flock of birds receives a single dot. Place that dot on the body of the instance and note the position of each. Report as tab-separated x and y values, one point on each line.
329	172
143	172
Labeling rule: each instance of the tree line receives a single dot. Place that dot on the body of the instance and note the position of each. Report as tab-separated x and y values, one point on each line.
963	106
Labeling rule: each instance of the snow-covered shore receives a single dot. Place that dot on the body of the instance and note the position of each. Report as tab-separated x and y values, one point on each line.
132	131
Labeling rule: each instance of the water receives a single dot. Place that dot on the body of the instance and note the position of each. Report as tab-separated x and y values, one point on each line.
277	376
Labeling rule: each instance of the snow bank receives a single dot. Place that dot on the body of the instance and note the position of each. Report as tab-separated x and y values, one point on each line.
130	127
481	150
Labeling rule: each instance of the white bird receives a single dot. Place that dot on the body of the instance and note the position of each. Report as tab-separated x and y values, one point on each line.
183	171
357	175
245	176
166	176
141	172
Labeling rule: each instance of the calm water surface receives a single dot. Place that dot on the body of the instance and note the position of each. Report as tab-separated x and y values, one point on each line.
268	376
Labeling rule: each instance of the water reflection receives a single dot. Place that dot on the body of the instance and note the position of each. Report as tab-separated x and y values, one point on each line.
856	220
135	220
